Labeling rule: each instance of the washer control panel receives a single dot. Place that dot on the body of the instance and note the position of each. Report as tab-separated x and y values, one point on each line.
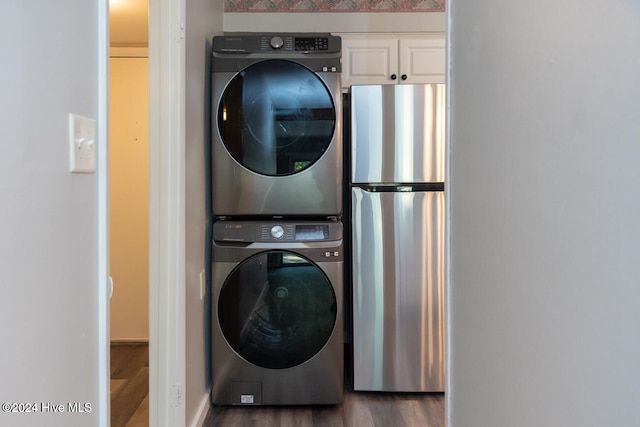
294	232
273	231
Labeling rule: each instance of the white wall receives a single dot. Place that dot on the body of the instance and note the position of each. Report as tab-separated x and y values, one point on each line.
544	276
203	21
49	246
129	195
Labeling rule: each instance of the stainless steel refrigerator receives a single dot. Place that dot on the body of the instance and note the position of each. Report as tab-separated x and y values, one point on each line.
397	213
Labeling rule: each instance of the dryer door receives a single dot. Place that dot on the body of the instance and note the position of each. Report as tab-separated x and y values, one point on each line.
277	309
276	117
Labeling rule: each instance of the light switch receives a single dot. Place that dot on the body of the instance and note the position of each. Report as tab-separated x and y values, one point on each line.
82	144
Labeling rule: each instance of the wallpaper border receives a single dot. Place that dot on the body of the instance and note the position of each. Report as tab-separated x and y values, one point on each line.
329	6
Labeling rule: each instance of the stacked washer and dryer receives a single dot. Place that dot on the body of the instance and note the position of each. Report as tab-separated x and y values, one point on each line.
277	256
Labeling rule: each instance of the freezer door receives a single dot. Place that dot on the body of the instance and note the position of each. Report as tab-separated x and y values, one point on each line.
397	133
398	291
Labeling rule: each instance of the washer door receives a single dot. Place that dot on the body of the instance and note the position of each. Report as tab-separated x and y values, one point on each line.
277	309
276	117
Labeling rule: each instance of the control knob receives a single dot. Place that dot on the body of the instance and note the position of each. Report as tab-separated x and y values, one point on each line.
277	231
276	42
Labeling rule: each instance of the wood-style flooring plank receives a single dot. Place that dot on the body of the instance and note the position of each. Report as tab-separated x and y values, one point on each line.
359	409
126	359
116	387
384	410
296	417
129	384
128	400
327	416
140	417
356	410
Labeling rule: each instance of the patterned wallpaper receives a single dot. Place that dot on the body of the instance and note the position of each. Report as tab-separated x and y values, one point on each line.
369	6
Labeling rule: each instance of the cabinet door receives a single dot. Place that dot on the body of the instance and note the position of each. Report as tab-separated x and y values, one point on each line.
422	60
369	60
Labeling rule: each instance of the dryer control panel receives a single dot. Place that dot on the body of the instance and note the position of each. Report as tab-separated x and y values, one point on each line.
308	43
320	52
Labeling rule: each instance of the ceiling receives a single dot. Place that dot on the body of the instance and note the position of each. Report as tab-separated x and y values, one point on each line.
129	22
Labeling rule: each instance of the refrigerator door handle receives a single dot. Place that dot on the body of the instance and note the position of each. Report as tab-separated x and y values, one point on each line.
400	187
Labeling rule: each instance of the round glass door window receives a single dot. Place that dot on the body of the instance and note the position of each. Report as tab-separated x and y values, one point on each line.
277	310
276	117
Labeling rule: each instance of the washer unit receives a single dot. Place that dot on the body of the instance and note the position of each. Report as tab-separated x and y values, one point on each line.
276	110
277	295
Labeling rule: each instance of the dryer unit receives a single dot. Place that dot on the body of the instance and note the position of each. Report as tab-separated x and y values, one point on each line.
276	108
277	298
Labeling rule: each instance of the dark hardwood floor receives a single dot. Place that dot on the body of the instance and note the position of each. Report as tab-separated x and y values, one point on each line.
129	385
130	403
357	410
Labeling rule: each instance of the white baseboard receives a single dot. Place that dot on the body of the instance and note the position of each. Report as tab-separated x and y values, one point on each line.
202	411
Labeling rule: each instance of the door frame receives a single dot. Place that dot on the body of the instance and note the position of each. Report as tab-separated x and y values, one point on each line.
105	286
167	277
166	214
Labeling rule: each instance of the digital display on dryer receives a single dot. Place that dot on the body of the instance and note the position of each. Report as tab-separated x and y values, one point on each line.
312	43
312	232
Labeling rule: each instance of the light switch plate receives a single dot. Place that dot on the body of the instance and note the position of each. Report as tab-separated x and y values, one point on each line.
82	144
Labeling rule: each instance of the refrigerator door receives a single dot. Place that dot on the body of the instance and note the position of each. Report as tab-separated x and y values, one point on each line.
398	290
397	133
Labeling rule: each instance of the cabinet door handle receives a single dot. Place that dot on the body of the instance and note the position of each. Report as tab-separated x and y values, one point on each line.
403	77
393	77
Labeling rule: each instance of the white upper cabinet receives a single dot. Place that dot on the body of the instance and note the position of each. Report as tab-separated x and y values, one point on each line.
422	60
369	59
393	59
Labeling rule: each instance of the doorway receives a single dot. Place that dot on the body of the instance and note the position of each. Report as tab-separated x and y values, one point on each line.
129	211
